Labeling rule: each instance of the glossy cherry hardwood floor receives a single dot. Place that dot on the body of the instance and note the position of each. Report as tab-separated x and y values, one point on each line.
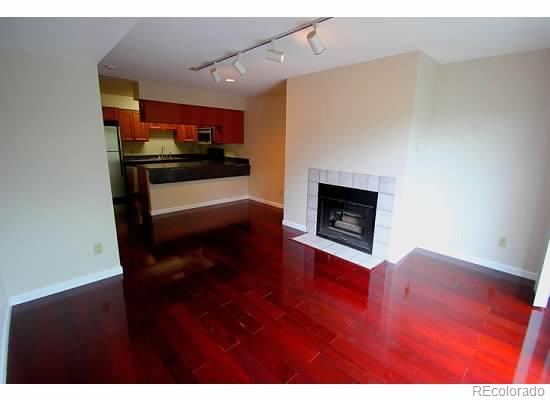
222	294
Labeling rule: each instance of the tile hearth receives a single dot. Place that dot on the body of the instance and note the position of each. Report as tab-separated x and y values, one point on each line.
385	186
336	249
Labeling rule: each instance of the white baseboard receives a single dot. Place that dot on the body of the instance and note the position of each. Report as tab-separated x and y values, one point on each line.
43	292
509	269
294	225
4	343
264	201
197	205
65	285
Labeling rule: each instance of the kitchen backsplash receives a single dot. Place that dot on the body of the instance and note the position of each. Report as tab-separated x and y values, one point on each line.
160	139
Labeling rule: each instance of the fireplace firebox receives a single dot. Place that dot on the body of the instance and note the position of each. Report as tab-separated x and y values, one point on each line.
346	215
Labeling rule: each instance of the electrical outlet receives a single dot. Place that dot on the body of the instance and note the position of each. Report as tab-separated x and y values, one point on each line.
98	248
502	242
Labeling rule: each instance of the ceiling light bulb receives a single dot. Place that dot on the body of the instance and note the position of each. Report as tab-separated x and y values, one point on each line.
315	41
239	66
275	55
215	74
229	80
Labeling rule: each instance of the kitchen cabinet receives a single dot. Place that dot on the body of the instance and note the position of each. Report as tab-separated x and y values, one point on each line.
190	115
131	127
160	112
125	125
162	127
141	130
232	127
228	124
186	133
110	114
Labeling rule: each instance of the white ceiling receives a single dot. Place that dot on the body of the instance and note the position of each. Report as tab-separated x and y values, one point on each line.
164	49
85	38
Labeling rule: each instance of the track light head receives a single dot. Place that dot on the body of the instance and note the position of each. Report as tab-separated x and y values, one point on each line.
239	66
275	55
215	74
315	41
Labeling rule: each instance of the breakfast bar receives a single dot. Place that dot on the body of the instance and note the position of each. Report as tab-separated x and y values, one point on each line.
175	186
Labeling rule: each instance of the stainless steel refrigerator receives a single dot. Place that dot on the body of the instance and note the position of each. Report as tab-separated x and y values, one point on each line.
116	162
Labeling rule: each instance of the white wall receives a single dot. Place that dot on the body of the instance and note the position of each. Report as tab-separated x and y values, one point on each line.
56	200
469	143
406	239
4	329
355	118
543	285
482	163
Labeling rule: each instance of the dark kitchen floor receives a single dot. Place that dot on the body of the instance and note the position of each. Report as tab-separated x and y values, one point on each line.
221	294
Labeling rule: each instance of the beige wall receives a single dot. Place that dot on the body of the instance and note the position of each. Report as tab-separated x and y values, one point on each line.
264	138
484	161
56	198
186	95
175	196
355	118
113	100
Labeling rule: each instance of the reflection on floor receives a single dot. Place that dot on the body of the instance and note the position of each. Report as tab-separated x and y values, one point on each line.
223	295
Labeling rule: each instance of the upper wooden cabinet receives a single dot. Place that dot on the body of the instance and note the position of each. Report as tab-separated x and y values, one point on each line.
229	124
125	125
186	133
141	130
160	112
232	129
110	114
131	127
162	127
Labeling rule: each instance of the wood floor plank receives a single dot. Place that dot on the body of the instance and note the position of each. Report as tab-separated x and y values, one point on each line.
243	303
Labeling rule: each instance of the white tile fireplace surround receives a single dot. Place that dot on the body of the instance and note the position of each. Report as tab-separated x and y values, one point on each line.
383	185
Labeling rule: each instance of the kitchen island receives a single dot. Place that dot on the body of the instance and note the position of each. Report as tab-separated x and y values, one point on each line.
196	170
166	187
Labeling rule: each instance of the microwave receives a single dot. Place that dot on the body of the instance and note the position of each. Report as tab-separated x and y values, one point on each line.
205	135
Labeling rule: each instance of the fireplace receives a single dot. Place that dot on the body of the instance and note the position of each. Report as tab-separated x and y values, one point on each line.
346	215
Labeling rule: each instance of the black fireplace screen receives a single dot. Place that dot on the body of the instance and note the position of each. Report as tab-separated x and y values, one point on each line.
346	215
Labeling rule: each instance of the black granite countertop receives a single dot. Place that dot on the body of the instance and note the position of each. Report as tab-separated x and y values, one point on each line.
134	160
192	170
